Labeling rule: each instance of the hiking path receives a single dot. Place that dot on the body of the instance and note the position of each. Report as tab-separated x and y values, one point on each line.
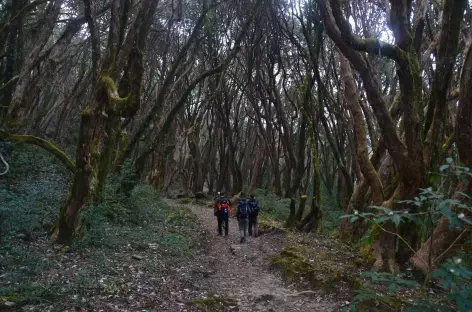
242	275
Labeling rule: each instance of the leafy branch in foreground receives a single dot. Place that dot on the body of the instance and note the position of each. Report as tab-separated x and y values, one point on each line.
449	285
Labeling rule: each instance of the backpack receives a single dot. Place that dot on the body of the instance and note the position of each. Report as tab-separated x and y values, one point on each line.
253	207
223	206
243	210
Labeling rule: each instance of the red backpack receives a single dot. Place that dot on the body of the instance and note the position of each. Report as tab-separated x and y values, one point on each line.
223	206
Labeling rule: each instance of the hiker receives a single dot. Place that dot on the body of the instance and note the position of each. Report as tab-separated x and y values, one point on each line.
242	215
222	213
253	213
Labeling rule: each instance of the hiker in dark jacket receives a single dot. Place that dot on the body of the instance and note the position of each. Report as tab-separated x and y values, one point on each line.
253	214
222	211
242	215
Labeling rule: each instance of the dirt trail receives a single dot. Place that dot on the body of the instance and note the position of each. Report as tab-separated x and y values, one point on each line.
242	271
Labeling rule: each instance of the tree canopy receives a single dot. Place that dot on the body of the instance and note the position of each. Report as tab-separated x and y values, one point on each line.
356	100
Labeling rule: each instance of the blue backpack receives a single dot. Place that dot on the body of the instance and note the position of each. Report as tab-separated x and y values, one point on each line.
243	209
253	207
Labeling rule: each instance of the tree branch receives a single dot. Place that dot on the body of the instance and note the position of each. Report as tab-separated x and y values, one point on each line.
45	144
369	45
7	167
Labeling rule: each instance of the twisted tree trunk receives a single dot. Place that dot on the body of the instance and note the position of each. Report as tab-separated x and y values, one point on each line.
443	242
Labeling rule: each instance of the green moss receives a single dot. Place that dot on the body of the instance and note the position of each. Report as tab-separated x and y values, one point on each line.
366	256
448	143
335	234
184	200
179	216
86	111
115	102
108	83
267	225
319	270
45	144
296	267
11	298
212	303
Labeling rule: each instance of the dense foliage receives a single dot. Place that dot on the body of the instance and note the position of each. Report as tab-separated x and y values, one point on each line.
322	107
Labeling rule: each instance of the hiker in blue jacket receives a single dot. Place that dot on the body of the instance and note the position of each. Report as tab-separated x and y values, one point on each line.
253	214
242	215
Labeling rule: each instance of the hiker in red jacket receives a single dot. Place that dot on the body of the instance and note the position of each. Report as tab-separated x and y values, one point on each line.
222	211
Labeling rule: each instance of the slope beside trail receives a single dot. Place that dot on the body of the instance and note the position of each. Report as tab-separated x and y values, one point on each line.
242	273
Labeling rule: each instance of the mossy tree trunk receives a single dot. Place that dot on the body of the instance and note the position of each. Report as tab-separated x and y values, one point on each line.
130	84
105	104
46	145
408	158
444	240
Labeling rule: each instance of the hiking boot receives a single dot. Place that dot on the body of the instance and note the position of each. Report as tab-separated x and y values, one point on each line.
241	240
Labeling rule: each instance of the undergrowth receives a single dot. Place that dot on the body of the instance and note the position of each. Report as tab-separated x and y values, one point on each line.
275	208
272	207
446	285
122	239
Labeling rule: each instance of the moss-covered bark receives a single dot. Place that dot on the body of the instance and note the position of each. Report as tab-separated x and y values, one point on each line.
101	117
45	144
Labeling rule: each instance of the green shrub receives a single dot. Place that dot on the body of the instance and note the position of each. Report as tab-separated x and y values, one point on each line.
111	233
125	216
452	282
272	206
36	185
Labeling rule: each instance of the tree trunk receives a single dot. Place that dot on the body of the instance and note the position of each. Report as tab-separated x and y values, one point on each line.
256	170
366	167
444	242
301	208
291	218
452	13
87	159
104	110
441	243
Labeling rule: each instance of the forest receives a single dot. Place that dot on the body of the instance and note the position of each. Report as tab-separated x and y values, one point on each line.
351	122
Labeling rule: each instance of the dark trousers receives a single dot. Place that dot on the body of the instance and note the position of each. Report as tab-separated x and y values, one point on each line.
242	223
253	224
223	222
